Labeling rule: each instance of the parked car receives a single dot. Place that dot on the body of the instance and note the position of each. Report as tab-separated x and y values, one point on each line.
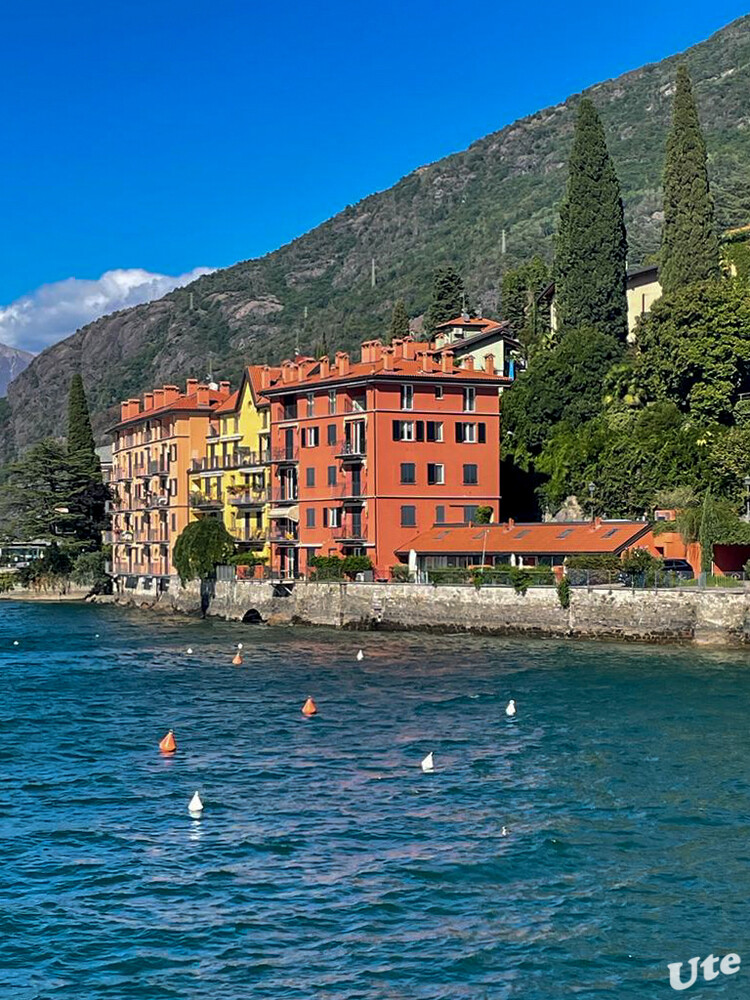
681	567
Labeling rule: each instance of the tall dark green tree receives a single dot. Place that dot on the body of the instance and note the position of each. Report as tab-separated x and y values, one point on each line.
591	249
521	290
81	444
448	299
399	321
689	245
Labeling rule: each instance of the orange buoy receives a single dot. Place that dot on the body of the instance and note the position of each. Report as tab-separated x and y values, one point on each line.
309	708
168	744
237	661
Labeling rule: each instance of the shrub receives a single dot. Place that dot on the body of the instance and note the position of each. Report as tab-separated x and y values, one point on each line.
563	592
326	567
351	565
89	571
202	546
400	573
246	559
604	560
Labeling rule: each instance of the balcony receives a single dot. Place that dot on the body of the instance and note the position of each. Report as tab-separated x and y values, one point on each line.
351	451
158	467
282	496
352	492
285	454
351	534
288	538
199	501
250	498
156	500
355	404
251	539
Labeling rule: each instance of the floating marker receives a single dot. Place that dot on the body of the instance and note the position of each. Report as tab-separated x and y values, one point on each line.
168	744
510	708
503	832
360	655
195	806
237	659
15	642
239	645
190	651
428	764
96	636
309	708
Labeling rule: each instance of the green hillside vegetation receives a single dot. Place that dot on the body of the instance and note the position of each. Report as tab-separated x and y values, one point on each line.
451	212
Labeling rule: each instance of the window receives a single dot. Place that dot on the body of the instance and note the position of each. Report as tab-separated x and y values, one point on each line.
309	477
564	534
440	514
435	474
408	516
331	400
311	438
334	516
332	434
407	397
470	514
438	392
331	475
608	534
470	398
403	430
470	475
310	514
434	430
290	410
408	472
310	404
466	433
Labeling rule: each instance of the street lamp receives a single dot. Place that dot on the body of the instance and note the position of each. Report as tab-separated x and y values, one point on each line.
592	487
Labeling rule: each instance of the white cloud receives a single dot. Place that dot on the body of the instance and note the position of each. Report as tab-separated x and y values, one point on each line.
54	311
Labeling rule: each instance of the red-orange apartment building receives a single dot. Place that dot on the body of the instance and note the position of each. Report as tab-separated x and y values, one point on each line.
367	454
154	444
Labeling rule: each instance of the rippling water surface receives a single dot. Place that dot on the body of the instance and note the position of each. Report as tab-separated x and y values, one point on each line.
326	863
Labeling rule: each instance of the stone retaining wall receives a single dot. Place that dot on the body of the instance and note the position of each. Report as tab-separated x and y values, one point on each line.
665	616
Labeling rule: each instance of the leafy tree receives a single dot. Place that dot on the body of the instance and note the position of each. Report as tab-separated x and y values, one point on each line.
399	321
483	515
50	493
448	299
81	442
591	251
521	289
707	533
51	570
689	247
565	384
201	546
89	571
694	349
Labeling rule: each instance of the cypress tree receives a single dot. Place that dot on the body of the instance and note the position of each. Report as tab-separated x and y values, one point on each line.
689	245
399	321
448	298
592	245
81	445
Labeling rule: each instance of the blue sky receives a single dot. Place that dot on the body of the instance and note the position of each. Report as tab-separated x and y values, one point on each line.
168	136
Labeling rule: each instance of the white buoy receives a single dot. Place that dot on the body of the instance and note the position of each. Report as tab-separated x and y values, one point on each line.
503	832
510	708
190	651
96	636
239	645
360	655
196	806
428	764
15	642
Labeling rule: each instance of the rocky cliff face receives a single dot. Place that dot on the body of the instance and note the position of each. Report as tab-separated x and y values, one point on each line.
12	363
454	210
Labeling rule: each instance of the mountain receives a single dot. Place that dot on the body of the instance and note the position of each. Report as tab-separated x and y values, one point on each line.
12	363
454	209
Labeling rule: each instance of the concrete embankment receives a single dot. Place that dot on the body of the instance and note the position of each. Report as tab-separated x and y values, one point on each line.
701	616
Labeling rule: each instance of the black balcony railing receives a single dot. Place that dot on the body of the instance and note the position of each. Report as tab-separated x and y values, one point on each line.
250	498
284	538
202	502
287	453
352	450
351	532
158	467
285	496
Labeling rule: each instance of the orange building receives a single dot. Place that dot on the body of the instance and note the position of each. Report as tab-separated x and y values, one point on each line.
155	442
365	454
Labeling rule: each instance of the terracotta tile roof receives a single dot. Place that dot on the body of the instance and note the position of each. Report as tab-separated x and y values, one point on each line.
180	405
480	322
536	538
402	367
229	405
254	374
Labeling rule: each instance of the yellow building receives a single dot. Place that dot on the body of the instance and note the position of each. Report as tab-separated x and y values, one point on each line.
642	290
232	481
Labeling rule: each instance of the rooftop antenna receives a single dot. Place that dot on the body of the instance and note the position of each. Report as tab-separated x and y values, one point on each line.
372	274
191	302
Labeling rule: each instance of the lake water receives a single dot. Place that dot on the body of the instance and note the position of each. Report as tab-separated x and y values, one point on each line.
326	864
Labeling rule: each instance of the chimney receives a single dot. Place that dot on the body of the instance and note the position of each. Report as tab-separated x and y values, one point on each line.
511	523
366	352
286	371
171	393
124	409
325	366
447	362
265	377
398	347
597	523
190	386
409	348
158	398
224	387
388	359
135	407
202	393
377	351
489	364
148	401
342	362
469	362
